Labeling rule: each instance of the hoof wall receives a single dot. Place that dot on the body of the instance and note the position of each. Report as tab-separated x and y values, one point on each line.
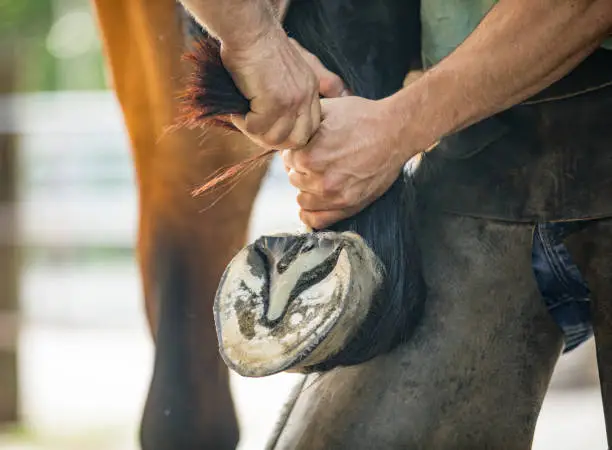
287	302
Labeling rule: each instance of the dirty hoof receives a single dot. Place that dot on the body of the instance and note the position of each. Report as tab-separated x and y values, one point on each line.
290	301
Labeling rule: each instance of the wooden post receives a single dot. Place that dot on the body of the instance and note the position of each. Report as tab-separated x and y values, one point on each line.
9	258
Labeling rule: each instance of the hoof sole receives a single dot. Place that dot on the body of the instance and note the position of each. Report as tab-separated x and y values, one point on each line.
287	302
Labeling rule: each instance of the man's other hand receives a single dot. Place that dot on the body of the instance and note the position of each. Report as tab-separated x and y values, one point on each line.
282	82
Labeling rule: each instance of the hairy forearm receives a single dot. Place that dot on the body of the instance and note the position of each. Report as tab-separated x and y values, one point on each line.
520	48
238	23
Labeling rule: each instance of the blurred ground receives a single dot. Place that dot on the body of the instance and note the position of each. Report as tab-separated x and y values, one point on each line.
85	354
84	390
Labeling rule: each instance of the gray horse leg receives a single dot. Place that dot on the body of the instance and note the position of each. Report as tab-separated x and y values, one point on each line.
591	249
474	374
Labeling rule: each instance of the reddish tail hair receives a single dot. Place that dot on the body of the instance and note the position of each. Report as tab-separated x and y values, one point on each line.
210	98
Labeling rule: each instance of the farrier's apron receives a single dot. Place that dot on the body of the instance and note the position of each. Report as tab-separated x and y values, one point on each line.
547	159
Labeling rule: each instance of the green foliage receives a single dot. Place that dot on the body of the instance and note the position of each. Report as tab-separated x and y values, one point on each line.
23	16
25	25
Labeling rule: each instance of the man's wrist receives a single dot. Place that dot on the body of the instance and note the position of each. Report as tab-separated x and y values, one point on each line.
263	27
429	109
407	111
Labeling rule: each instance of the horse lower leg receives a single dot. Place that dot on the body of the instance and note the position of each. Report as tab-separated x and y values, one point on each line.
182	250
189	404
591	249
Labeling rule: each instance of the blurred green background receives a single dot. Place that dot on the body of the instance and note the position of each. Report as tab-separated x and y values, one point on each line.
55	43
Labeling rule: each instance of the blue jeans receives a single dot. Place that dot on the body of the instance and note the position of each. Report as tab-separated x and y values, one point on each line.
563	288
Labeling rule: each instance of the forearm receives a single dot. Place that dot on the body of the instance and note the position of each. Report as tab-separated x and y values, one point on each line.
520	48
238	23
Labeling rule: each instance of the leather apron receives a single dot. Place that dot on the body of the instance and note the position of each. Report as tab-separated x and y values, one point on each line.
547	159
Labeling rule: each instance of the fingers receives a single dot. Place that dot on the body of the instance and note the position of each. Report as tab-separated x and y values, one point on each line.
288	158
285	109
291	130
319	220
326	213
330	84
314	194
320	185
307	184
313	202
284	133
315	112
302	130
279	132
299	180
302	161
266	111
239	122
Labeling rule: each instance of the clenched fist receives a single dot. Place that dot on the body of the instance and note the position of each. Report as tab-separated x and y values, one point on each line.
282	82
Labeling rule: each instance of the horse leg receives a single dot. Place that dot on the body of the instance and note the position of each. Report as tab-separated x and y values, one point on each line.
473	375
591	249
184	243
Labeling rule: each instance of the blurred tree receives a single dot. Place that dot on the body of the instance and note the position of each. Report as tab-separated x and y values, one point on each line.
23	26
9	260
54	44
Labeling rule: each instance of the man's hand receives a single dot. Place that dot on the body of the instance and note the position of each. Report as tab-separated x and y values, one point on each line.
283	82
361	146
352	160
282	90
330	84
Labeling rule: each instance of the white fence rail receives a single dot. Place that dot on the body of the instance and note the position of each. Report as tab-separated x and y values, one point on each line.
77	179
76	182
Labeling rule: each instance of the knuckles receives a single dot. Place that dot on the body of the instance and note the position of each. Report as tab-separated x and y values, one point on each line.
255	128
308	162
312	220
289	99
288	102
297	142
302	202
331	85
303	160
331	187
317	224
274	139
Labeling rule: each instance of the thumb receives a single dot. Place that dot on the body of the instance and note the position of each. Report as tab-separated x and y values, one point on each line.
330	84
319	220
239	122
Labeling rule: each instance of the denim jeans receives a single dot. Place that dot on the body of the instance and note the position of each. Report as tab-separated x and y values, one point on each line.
563	288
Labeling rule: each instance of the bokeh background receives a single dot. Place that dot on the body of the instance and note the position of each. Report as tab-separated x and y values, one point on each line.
75	353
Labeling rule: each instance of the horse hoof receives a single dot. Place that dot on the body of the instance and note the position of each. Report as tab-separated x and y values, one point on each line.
290	301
